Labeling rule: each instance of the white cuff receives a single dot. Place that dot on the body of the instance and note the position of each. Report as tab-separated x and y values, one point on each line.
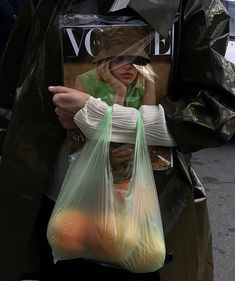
124	122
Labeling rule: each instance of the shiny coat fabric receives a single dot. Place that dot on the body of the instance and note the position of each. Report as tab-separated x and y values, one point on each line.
200	110
8	15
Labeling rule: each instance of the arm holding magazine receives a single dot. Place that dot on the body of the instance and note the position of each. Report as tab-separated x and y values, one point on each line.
76	107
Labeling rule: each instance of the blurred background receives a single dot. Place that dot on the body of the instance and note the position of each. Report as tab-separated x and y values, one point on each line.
230	6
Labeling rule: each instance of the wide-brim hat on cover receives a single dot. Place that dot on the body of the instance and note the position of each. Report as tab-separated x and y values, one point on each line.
124	41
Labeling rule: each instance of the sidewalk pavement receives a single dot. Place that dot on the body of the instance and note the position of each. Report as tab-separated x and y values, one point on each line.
215	168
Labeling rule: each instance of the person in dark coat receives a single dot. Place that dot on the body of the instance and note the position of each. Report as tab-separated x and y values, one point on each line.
8	15
200	112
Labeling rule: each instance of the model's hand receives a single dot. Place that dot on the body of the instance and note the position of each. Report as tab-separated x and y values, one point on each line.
118	87
67	102
107	76
150	92
123	153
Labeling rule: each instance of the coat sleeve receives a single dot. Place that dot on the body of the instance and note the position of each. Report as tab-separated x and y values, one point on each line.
201	107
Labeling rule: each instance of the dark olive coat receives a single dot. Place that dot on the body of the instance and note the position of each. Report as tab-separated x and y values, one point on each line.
200	112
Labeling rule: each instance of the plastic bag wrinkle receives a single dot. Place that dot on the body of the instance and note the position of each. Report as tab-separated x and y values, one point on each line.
112	227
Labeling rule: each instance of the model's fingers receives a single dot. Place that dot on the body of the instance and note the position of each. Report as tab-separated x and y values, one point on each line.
100	67
123	154
118	160
60	111
107	70
67	123
59	98
126	149
59	89
102	71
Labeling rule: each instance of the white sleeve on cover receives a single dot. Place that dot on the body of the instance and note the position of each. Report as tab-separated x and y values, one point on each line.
124	122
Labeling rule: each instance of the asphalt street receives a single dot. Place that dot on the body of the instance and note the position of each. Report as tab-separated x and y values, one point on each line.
215	168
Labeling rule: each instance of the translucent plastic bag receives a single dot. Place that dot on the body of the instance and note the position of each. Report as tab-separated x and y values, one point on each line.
90	219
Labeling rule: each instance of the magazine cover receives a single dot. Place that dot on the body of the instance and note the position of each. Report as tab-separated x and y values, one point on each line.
120	60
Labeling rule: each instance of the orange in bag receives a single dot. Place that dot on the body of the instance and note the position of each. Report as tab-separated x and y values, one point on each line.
68	231
114	241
